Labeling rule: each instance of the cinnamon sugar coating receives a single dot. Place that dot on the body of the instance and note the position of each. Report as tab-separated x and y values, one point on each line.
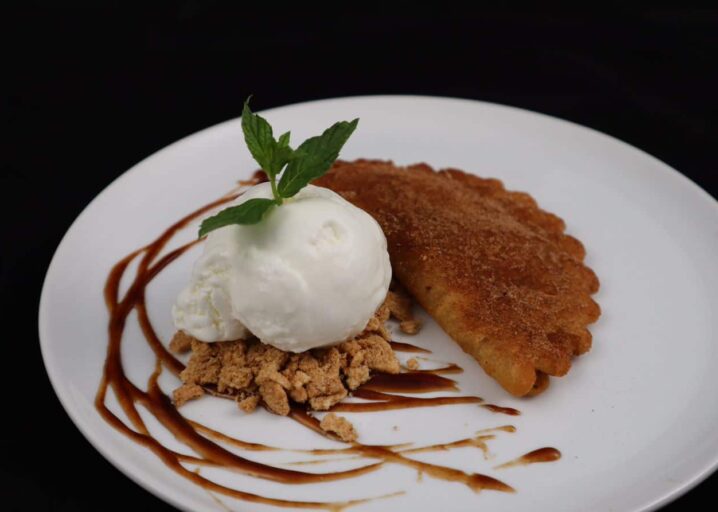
494	270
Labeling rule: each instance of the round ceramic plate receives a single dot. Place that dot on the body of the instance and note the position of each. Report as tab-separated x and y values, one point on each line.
636	417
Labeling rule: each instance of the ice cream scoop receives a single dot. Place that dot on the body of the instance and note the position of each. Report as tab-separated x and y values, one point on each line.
310	274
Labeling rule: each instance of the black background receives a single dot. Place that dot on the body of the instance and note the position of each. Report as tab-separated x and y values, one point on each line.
94	90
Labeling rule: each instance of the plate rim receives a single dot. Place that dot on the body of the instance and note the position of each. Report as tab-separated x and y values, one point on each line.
666	170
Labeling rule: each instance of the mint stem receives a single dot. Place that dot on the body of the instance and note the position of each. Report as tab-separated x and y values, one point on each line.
275	193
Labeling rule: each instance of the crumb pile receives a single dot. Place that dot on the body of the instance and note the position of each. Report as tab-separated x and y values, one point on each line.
341	427
254	373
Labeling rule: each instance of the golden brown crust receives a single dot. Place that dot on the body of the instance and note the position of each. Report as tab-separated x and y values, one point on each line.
495	271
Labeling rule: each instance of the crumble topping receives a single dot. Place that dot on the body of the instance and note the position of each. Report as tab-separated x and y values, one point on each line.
410	326
181	342
339	426
186	393
412	364
249	404
255	373
401	308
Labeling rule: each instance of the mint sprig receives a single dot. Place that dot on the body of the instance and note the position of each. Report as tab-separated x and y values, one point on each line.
271	155
315	156
249	212
309	161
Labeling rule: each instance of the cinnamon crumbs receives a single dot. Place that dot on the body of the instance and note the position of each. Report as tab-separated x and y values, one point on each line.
343	429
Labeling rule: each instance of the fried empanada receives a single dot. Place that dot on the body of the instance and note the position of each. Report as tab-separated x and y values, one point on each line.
494	270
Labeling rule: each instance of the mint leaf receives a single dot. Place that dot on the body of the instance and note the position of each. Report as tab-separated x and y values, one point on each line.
271	155
314	157
249	212
309	161
258	136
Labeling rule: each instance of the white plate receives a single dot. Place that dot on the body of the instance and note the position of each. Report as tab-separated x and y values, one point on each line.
636	419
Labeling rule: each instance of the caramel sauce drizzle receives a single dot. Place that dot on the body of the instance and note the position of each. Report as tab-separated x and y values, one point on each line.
534	457
410	382
203	441
502	410
399	346
503	428
475	442
474	481
446	370
393	402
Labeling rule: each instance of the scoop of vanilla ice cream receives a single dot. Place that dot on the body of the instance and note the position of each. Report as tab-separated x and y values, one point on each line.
204	309
311	274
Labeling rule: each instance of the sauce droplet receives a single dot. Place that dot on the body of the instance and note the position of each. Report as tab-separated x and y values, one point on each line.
501	410
537	456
